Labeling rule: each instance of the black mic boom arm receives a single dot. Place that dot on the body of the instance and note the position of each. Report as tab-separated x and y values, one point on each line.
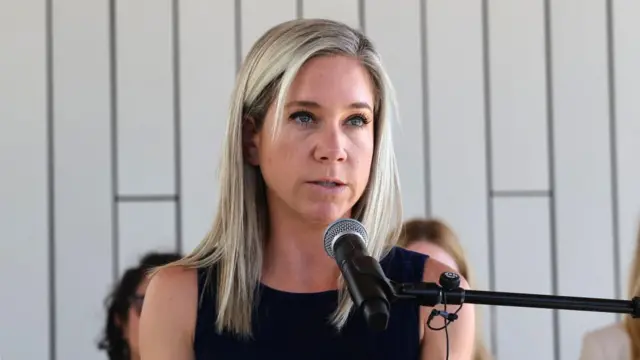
450	293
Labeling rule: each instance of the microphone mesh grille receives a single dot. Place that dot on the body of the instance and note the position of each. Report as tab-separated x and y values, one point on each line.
342	226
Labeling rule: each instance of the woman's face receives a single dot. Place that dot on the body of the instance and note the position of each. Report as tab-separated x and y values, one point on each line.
318	166
131	327
434	252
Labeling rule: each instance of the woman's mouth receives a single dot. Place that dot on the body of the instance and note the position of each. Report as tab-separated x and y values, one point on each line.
329	184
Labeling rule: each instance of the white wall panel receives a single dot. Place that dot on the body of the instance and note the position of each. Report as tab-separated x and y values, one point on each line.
258	16
627	80
403	62
457	127
24	195
144	227
83	174
207	74
518	95
582	162
145	97
346	11
523	251
168	91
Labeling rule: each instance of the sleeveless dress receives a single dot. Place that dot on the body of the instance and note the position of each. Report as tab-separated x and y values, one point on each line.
295	326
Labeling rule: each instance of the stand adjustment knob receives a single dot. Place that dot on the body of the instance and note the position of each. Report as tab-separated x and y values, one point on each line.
449	280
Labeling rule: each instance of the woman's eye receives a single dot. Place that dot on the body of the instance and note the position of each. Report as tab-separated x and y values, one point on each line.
357	121
302	118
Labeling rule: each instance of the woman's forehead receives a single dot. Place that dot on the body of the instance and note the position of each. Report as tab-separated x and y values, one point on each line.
331	81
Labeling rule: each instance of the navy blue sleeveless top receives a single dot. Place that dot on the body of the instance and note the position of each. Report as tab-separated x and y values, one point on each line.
296	326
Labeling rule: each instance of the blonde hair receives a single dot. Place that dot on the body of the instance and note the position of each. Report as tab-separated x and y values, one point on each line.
632	326
437	232
235	242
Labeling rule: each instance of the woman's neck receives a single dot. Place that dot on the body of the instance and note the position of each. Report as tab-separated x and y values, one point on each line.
295	259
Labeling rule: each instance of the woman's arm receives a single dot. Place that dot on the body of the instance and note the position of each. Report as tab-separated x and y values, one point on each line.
167	322
461	331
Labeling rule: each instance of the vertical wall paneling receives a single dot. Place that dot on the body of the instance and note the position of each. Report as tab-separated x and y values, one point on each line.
403	62
346	11
83	174
518	110
144	227
259	15
518	127
626	57
457	128
553	219
26	190
207	69
523	251
113	92
145	97
582	162
177	126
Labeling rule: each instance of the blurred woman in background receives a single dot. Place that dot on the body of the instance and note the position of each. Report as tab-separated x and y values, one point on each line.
436	239
621	340
124	304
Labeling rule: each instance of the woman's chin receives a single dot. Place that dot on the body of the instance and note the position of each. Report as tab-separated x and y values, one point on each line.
325	214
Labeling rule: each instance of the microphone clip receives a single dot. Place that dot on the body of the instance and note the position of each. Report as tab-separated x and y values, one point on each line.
449	317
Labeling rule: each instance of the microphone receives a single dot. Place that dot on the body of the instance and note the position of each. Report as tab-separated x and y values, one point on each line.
345	241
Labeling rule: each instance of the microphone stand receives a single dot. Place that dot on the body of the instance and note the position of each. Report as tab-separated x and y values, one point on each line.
449	292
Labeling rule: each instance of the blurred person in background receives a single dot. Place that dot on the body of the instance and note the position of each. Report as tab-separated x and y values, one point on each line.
124	305
621	340
435	238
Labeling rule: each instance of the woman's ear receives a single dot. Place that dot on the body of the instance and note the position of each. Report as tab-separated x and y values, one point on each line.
250	141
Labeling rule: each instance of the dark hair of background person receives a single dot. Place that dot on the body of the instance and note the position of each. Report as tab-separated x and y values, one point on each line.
120	300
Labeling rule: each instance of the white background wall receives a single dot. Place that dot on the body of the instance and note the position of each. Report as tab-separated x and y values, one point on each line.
520	127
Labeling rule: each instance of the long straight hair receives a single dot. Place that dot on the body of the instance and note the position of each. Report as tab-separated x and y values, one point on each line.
632	326
235	242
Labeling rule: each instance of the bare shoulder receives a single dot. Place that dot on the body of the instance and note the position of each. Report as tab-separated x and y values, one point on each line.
434	268
461	332
168	319
176	282
610	334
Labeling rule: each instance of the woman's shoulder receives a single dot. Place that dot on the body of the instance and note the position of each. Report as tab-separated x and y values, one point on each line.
610	342
404	265
171	297
607	333
399	254
172	278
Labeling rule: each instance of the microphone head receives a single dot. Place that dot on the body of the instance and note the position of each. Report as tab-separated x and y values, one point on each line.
340	227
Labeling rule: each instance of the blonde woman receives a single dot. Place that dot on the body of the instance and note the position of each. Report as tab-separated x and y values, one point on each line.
308	142
436	239
619	341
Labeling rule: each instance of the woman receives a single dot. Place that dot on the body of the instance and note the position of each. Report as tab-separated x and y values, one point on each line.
435	238
124	304
619	341
308	142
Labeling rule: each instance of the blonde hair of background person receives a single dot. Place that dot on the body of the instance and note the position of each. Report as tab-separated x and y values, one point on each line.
633	325
436	239
618	341
329	70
